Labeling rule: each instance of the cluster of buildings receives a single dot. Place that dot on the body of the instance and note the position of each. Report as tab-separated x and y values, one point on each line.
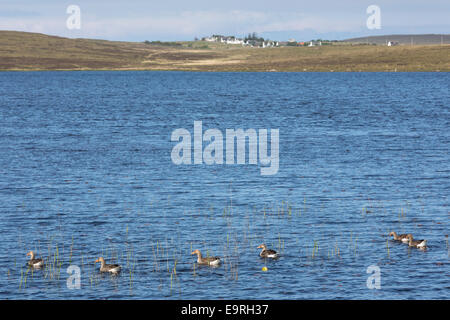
259	42
252	40
224	39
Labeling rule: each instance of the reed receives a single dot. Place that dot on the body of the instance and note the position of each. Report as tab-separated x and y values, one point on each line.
279	242
387	247
21	278
26	277
131	278
315	249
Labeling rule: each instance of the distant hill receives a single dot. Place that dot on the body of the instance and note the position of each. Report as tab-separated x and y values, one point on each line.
416	39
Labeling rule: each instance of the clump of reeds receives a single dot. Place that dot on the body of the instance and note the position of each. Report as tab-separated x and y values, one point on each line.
336	249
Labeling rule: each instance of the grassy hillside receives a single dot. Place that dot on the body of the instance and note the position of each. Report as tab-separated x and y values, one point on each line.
415	39
31	51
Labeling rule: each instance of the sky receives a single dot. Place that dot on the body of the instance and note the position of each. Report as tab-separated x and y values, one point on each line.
170	20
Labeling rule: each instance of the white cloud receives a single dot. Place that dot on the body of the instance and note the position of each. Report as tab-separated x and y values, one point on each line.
188	23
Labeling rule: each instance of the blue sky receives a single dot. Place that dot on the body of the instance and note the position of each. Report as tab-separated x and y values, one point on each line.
185	19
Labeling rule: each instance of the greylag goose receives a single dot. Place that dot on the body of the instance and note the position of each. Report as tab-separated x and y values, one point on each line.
417	243
33	262
267	253
403	237
210	261
112	268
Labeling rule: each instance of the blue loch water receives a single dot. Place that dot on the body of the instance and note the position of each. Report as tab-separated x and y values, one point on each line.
86	171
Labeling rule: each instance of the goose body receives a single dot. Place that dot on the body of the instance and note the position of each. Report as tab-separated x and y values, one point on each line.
111	268
416	243
33	262
267	253
402	237
210	261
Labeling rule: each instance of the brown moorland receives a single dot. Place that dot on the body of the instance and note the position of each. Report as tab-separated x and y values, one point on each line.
33	51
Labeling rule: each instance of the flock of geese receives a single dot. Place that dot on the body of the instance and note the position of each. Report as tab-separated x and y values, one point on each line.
38	263
408	238
215	261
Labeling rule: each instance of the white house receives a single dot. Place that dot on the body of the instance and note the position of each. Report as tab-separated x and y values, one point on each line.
315	43
233	40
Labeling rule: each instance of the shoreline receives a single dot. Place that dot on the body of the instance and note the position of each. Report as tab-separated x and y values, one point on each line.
213	71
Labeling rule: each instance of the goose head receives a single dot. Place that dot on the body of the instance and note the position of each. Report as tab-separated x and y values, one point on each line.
262	246
101	260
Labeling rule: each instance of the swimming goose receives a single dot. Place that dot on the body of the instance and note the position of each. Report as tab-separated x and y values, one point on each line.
417	243
403	237
210	261
112	268
34	263
267	253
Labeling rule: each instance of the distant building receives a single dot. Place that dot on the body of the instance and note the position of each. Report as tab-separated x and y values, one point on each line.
269	44
392	43
314	43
